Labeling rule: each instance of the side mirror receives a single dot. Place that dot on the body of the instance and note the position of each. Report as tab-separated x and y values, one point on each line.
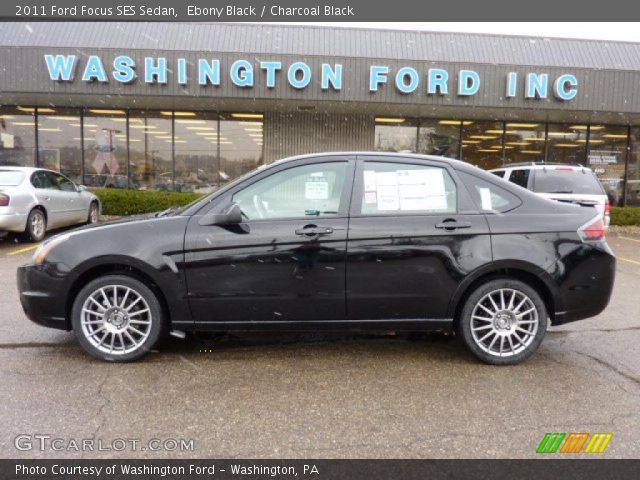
81	188
232	215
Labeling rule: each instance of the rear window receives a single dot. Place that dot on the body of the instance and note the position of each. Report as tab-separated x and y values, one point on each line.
487	196
11	178
566	181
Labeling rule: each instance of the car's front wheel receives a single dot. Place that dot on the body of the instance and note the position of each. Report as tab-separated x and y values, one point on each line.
117	318
503	321
94	212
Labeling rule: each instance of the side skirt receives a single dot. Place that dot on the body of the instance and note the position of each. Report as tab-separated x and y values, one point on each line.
411	324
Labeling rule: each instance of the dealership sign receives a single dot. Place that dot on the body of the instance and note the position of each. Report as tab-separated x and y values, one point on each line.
300	75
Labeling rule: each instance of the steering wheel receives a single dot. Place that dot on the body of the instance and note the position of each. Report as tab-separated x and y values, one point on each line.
259	206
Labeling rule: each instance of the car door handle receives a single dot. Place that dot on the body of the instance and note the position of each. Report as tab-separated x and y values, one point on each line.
451	224
311	231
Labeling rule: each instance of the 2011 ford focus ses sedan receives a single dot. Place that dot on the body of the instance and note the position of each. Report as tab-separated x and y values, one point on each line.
332	241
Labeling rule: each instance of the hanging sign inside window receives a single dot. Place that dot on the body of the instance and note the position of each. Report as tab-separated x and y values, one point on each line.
316	187
406	190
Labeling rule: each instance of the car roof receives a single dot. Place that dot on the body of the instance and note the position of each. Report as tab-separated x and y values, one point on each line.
542	166
392	155
19	169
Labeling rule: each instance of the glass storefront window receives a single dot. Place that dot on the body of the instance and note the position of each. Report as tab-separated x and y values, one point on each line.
439	137
196	151
59	141
633	175
240	147
607	157
567	144
17	136
105	148
396	135
482	143
524	142
150	151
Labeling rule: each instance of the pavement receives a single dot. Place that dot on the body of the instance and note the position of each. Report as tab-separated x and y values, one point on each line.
321	396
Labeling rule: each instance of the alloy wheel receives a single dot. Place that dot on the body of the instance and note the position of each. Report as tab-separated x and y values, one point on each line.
37	225
504	322
116	319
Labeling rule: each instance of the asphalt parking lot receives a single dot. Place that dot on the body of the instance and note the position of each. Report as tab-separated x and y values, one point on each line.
318	396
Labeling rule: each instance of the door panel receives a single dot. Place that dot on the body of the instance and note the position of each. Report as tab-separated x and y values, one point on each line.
286	262
264	271
412	239
405	267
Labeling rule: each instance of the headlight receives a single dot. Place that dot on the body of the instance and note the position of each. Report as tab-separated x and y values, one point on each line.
44	249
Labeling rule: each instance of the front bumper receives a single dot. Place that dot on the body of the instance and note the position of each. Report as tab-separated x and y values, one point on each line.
43	296
13	222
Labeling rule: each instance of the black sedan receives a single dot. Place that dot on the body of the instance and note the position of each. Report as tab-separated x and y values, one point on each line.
359	241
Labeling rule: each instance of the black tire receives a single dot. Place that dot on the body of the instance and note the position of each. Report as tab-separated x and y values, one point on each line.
505	323
36	228
94	212
112	321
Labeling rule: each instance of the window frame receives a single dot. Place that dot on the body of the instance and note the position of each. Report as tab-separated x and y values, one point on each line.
219	203
358	187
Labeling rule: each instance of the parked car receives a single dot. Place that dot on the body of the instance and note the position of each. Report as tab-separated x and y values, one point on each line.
34	200
364	241
558	181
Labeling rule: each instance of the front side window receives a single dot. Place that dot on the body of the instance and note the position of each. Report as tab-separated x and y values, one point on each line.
305	191
62	183
489	197
406	188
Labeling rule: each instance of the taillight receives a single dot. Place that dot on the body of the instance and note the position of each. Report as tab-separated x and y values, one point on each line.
593	230
607	207
4	200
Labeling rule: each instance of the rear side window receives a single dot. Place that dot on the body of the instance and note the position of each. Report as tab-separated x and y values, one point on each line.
406	188
489	197
11	178
566	181
520	177
499	173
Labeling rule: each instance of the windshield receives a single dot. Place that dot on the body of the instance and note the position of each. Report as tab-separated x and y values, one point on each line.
11	178
566	181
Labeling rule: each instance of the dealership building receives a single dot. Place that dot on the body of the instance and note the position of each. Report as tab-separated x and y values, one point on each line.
189	106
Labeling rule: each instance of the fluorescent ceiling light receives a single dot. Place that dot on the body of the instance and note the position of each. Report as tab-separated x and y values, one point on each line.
178	114
496	132
608	135
142	127
247	115
184	120
483	137
201	128
518	143
254	123
107	112
455	122
531	152
566	145
49	129
578	127
24	124
471	141
390	120
56	117
253	130
523	125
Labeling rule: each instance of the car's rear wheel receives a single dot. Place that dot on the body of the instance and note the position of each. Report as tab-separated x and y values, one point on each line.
93	213
503	321
36	226
117	318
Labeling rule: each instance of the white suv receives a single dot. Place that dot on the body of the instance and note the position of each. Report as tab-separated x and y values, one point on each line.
561	182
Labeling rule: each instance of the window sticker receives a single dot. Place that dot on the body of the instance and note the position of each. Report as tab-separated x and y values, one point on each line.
422	189
370	183
485	199
387	191
316	187
370	198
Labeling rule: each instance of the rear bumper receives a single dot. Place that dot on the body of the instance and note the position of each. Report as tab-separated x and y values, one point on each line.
13	222
586	284
42	296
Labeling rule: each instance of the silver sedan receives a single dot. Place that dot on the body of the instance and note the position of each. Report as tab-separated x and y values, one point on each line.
34	200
